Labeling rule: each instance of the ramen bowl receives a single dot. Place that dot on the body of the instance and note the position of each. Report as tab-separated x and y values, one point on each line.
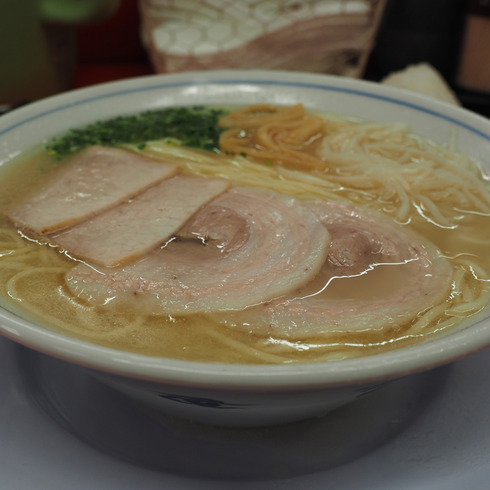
245	394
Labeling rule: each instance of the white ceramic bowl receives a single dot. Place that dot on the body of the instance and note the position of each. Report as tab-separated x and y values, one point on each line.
252	394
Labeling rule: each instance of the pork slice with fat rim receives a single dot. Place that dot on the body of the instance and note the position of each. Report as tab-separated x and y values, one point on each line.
243	248
131	229
96	179
377	275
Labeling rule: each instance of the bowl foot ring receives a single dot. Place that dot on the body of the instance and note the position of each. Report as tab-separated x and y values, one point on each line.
116	425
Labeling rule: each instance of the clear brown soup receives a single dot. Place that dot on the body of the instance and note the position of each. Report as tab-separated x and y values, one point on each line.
32	283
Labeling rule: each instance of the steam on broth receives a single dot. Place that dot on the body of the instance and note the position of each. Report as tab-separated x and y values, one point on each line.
432	193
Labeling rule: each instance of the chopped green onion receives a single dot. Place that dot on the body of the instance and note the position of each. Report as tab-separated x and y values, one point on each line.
195	127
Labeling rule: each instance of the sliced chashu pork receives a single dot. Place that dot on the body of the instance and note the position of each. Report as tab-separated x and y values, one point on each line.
243	248
138	225
96	179
376	276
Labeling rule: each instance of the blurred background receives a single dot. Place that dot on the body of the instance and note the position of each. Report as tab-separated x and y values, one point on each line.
49	46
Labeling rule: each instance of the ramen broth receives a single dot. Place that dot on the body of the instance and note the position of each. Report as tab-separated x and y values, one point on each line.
32	275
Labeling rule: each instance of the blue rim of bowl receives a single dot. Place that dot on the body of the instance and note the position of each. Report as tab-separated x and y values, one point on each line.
442	350
254	81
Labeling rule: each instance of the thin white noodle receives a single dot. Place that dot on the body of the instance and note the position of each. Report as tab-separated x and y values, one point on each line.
11	285
245	349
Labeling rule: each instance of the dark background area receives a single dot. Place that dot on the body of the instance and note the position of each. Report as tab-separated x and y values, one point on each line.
433	31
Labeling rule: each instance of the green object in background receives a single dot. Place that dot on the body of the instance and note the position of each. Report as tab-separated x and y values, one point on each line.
76	11
38	45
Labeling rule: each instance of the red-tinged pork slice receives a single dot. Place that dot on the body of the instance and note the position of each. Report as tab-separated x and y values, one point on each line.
96	179
243	248
376	276
135	227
